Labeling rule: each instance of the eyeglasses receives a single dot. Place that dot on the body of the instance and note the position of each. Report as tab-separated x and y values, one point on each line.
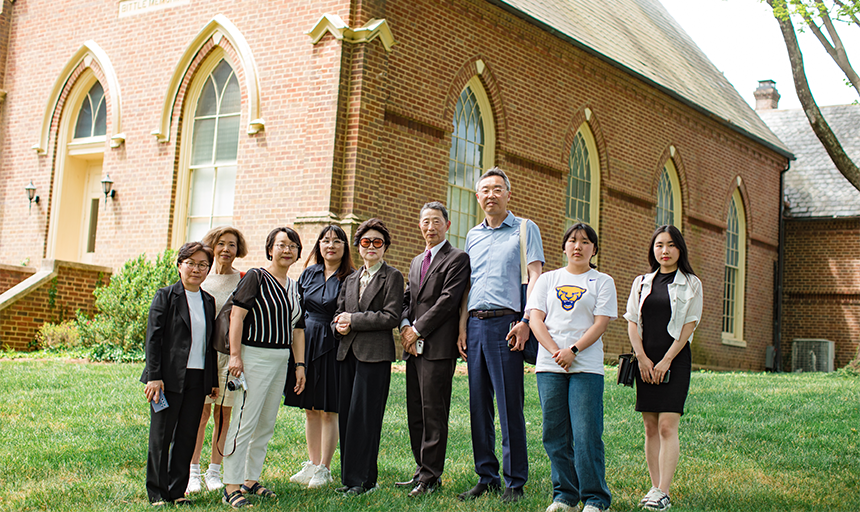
375	242
336	242
203	266
284	247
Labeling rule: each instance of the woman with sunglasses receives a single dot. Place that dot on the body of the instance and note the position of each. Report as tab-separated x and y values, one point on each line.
330	263
181	368
368	308
265	324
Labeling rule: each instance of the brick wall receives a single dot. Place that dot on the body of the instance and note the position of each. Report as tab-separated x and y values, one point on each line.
11	275
822	285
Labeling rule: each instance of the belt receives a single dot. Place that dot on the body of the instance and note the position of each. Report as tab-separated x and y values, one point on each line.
492	313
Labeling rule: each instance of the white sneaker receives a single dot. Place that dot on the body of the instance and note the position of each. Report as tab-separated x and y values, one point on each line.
213	479
590	508
322	477
195	484
304	476
661	503
557	506
652	495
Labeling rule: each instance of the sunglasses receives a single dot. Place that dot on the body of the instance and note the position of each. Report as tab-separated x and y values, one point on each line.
367	242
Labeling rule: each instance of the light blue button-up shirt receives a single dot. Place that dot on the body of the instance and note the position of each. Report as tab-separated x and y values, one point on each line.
495	259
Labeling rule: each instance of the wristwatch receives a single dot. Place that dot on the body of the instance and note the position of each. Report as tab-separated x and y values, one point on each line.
574	349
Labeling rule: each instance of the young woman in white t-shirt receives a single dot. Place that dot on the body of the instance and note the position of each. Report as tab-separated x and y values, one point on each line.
570	309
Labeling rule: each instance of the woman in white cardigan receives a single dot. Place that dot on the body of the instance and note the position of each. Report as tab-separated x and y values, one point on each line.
663	310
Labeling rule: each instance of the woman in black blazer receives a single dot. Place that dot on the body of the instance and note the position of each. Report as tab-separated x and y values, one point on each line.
368	308
180	364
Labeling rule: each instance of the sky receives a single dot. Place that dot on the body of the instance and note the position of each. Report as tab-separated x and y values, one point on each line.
743	40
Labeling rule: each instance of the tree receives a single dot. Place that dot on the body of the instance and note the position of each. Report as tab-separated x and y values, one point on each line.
819	18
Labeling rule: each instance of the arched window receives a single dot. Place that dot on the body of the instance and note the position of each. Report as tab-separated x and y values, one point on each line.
209	161
733	286
582	194
669	198
471	153
92	117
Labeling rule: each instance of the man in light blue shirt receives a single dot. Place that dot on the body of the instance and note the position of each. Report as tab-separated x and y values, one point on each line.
492	336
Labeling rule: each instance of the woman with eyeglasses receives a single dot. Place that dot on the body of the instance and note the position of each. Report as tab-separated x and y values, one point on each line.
181	370
265	324
330	263
368	308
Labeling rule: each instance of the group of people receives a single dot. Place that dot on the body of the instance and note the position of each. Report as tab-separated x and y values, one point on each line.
325	343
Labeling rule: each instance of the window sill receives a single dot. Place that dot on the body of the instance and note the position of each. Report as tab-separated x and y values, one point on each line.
733	342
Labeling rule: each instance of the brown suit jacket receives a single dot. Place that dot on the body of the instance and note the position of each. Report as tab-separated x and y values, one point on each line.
433	306
372	318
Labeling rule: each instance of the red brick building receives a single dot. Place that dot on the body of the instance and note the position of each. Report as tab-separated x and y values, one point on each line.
305	113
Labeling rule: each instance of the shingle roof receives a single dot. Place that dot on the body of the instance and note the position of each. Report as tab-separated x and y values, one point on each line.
813	185
641	37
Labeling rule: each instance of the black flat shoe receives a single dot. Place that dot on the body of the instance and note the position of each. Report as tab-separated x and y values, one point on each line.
477	491
512	495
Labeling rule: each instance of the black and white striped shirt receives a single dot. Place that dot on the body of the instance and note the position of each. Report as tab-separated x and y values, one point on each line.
273	311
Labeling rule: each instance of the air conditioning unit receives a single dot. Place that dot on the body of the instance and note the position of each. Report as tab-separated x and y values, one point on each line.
812	355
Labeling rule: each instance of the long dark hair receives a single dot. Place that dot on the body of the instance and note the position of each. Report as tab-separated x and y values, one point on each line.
590	233
677	239
346	266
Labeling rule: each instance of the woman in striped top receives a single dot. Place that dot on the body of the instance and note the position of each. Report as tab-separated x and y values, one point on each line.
266	322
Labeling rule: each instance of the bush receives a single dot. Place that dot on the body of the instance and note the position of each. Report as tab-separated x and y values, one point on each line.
117	332
58	336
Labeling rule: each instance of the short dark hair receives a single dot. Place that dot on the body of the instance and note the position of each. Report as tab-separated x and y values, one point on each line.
346	266
590	233
677	239
434	205
190	248
211	239
495	171
369	224
291	234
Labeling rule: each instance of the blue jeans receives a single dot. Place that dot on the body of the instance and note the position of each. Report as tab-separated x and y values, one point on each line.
572	407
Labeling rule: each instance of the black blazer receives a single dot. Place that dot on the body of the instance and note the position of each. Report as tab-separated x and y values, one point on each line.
168	339
433	307
372	318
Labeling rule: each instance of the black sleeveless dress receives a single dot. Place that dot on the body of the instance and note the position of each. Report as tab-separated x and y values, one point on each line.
656	340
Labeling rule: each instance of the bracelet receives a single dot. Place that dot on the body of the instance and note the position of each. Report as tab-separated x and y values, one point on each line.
301	365
525	320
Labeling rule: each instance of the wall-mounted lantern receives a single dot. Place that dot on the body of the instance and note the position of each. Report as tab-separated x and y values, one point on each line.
107	187
31	194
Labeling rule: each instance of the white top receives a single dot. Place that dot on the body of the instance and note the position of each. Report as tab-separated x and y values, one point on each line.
197	354
220	286
685	297
570	302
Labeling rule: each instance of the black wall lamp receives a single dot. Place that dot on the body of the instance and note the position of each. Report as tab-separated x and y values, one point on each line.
107	187
31	194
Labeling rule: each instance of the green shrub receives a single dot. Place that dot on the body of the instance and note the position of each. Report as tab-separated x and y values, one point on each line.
117	332
58	336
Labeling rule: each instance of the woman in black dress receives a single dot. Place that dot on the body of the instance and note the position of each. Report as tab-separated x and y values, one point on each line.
319	285
663	310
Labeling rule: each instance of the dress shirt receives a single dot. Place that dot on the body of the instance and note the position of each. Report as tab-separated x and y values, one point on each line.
366	275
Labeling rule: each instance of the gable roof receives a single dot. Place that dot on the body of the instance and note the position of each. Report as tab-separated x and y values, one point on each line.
813	185
641	38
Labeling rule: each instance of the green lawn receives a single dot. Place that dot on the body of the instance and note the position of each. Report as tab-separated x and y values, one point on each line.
74	438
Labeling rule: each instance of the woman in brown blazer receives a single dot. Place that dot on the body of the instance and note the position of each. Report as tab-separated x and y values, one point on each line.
368	308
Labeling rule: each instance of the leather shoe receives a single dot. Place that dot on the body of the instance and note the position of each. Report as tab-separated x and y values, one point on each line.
407	483
422	489
477	491
512	495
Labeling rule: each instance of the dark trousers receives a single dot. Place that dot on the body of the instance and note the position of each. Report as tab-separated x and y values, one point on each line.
495	370
363	394
172	435
428	404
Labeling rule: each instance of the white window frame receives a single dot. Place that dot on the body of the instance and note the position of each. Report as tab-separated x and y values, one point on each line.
736	336
670	170
594	168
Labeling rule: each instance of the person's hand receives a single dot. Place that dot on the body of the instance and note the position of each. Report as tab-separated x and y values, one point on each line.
408	335
343	323
461	344
300	380
645	368
214	394
235	367
659	371
153	390
518	336
564	357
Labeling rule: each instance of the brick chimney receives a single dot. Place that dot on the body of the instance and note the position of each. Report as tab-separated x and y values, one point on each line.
766	95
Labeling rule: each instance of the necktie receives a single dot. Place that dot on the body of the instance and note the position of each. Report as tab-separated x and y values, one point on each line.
362	282
424	266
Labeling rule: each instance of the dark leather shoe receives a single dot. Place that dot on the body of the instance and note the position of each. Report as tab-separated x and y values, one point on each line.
422	489
477	491
512	495
408	483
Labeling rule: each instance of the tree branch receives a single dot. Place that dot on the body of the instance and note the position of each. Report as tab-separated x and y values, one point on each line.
847	11
819	125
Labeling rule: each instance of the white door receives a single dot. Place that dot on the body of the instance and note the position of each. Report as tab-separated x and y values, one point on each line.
92	201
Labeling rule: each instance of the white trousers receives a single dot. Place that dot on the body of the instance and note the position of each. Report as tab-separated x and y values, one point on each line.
265	372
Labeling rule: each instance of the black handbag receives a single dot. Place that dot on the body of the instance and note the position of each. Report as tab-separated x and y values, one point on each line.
627	368
530	349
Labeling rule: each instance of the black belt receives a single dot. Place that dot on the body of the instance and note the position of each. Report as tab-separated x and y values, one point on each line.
492	313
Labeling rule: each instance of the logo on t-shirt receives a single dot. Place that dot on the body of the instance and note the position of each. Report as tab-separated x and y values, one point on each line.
568	295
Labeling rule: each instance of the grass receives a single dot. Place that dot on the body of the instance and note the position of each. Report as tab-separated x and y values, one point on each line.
74	438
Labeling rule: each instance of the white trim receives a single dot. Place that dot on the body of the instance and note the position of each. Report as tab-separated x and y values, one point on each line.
594	164
678	205
216	29
736	338
489	156
334	25
88	52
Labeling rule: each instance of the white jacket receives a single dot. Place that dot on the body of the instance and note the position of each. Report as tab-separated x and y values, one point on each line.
685	297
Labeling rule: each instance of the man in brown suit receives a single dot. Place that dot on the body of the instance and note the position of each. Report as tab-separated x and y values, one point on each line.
429	329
